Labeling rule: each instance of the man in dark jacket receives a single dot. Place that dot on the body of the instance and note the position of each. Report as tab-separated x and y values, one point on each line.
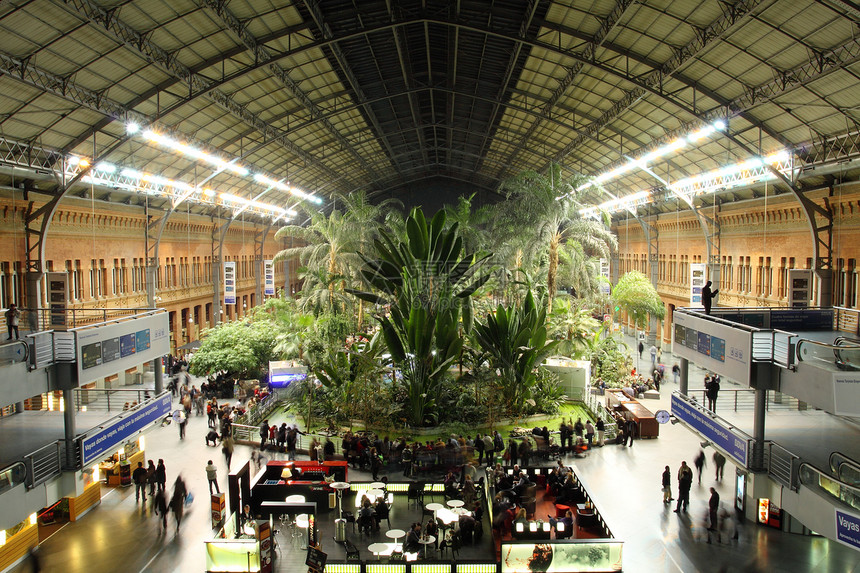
139	479
667	485
713	506
685	481
708	296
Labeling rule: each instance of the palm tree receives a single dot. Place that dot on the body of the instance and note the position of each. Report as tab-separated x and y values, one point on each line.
547	205
330	245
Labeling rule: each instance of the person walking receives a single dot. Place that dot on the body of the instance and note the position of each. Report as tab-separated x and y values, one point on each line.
708	296
12	317
676	372
667	485
264	434
601	432
629	431
138	476
489	448
589	432
685	481
479	447
161	476
177	502
720	464
150	477
227	448
653	352
699	462
160	507
212	476
713	506
641	348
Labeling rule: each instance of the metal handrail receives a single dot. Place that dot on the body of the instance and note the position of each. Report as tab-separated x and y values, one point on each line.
13	475
782	465
814	478
839	463
805	351
41	318
744	398
114	399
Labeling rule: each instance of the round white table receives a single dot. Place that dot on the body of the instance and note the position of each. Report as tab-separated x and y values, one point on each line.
434	507
453	503
377	548
295	499
395	534
377	485
425	541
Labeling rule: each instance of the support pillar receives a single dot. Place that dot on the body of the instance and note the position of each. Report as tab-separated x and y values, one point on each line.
757	462
19	407
69	426
685	376
158	374
34	300
824	297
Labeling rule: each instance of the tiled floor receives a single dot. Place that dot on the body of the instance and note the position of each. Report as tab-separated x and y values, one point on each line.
120	535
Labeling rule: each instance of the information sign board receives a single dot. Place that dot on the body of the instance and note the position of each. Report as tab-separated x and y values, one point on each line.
230	282
106	439
713	346
723	438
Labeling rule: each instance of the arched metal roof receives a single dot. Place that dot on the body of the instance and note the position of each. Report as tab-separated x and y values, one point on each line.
332	95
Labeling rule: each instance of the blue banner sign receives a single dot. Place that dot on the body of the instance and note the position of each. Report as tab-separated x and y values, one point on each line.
848	528
106	439
711	429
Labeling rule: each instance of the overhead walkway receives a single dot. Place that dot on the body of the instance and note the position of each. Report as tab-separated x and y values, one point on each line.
43	451
799	378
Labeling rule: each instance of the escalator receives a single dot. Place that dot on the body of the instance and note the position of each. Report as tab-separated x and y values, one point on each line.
827	503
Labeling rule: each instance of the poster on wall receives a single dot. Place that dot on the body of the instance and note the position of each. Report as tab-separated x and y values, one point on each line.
269	277
712	346
126	345
697	283
230	282
110	349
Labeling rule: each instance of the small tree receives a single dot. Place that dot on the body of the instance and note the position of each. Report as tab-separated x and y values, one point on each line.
635	294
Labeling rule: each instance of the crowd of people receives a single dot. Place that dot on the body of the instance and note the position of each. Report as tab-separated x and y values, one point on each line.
718	520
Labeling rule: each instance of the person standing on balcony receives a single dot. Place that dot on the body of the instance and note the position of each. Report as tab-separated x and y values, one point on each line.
12	316
708	296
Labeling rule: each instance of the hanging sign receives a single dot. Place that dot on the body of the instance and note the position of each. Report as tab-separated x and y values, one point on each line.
606	283
230	282
697	283
269	277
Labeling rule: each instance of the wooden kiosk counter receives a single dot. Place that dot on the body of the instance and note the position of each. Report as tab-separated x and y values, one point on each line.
630	408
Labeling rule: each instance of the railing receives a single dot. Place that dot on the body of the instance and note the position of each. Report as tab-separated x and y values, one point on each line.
843	354
40	319
743	399
107	400
845	468
261	409
12	475
44	463
781	465
42	344
846	319
595	404
815	479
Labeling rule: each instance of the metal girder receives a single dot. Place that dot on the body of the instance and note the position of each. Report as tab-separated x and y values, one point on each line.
262	54
829	149
653	82
606	26
63	87
140	43
847	7
330	42
531	8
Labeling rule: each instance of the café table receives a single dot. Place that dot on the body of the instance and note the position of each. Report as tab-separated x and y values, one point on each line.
378	549
425	541
395	534
454	503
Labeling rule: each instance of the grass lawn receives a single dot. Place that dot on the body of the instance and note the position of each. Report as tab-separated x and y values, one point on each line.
572	410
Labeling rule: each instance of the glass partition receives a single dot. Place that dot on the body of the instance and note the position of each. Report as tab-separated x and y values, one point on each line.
228	555
813	478
597	555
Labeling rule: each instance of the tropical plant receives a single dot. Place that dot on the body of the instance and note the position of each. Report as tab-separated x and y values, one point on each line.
426	280
635	294
515	341
573	325
241	348
548	207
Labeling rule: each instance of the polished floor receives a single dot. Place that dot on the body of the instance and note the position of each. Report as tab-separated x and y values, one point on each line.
122	535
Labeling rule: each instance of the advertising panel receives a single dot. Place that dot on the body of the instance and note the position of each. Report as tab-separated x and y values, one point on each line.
733	444
606	282
848	528
557	557
106	349
230	282
269	277
106	439
846	394
799	287
697	282
713	346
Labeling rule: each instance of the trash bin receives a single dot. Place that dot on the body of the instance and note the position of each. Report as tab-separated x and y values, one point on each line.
339	530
